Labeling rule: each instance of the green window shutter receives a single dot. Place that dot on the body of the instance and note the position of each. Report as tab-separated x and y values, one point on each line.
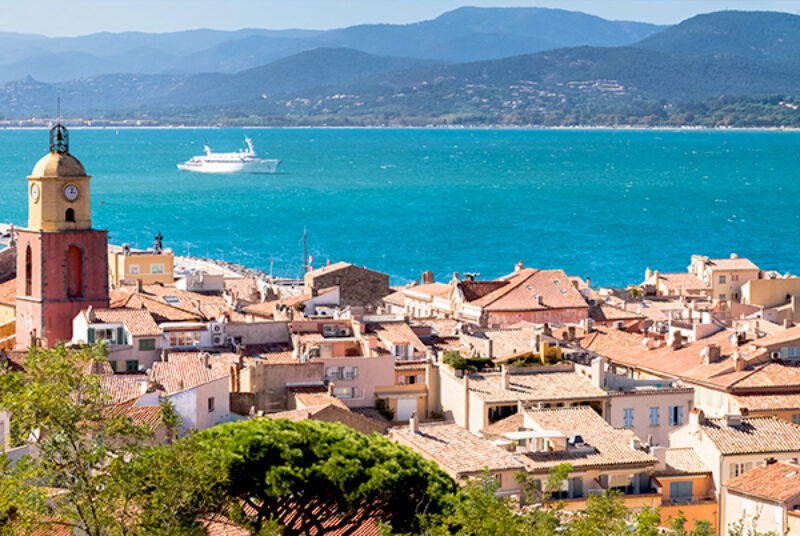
120	336
132	365
113	365
90	336
147	344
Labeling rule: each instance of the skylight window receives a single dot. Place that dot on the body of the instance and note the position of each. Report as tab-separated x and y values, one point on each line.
790	474
172	300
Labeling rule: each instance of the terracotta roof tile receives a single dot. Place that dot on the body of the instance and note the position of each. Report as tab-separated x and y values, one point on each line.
123	387
521	288
754	435
683	461
605	446
148	416
457	449
533	386
138	322
185	370
8	292
333	413
778	481
739	263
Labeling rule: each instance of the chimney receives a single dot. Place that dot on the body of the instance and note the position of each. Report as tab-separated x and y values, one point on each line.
677	340
598	368
519	266
738	362
90	314
546	329
710	354
456	276
427	278
648	273
636	443
139	286
180	384
206	360
696	417
570	333
143	387
786	321
490	349
506	378
733	419
588	281
413	423
660	454
466	400
330	388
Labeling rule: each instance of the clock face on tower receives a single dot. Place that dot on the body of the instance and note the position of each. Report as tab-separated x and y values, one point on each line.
71	192
35	193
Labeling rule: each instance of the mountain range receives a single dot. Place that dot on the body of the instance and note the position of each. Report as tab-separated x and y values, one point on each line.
485	65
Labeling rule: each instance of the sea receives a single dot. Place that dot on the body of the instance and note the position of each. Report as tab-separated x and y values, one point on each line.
603	204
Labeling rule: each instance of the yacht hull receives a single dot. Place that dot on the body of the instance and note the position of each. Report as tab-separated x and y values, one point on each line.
261	167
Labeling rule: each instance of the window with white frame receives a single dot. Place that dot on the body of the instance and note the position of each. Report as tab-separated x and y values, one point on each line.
722	279
157	268
334	373
349	373
133	269
737	469
343	392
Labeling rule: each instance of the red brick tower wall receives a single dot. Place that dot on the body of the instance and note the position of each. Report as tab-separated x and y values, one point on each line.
47	311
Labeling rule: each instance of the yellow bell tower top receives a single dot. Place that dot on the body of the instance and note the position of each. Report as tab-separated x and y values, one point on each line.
58	189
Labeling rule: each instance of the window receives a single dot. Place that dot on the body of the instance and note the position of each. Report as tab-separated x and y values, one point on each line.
628	417
343	392
349	373
105	335
793	352
157	268
722	279
722	297
675	415
69	215
737	469
147	344
172	300
28	271
183	338
795	418
211	404
653	416
133	269
132	365
333	373
74	272
680	490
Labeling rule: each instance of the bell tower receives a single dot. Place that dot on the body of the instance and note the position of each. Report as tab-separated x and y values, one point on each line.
62	263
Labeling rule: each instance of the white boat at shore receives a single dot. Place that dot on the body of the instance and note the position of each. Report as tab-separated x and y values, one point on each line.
244	161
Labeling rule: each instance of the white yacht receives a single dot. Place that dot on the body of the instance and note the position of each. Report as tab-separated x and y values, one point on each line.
245	161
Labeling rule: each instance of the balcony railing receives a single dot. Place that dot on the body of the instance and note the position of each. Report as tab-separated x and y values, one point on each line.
685	501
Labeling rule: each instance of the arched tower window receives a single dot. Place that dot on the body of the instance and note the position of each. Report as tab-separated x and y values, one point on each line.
28	271
74	272
69	215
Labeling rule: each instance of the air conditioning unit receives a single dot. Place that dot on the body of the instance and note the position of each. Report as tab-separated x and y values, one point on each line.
344	331
217	328
775	355
218	340
230	340
619	324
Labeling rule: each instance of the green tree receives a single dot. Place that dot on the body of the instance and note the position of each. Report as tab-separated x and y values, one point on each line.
322	477
604	515
87	469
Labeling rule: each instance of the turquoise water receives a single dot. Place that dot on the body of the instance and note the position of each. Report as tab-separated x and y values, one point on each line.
603	204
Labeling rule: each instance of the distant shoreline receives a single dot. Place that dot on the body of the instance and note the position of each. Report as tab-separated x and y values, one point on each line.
441	127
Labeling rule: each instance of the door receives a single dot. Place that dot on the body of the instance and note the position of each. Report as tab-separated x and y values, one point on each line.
405	407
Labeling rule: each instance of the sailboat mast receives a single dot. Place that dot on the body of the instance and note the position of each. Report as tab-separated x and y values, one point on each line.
305	252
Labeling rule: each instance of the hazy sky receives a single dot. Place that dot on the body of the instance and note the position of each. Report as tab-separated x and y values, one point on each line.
74	17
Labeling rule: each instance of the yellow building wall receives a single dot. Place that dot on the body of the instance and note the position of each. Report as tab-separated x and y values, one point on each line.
769	292
7	313
119	266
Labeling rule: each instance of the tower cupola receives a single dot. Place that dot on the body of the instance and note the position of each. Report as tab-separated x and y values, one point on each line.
58	189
